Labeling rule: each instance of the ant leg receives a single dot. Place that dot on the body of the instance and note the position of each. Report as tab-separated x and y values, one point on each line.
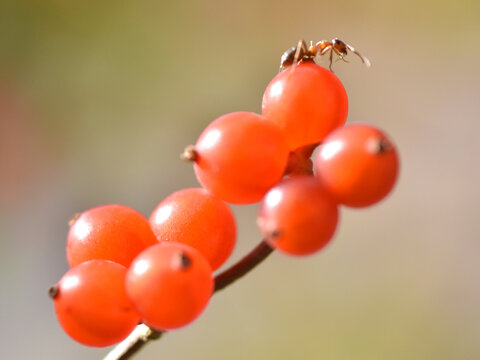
364	59
331	59
325	50
341	56
301	50
321	46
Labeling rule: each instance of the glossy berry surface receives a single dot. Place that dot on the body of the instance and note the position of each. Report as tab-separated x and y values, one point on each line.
240	156
170	285
297	216
307	102
110	232
197	218
91	303
358	164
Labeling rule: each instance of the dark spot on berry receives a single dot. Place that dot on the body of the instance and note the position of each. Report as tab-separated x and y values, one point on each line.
185	261
275	234
53	291
189	154
381	146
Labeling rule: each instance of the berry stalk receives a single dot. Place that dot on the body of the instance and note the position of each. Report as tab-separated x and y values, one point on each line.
143	334
245	265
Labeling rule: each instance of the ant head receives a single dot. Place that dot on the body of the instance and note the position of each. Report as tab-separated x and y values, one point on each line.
340	46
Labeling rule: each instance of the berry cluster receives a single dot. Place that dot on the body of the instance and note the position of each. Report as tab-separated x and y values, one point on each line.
127	269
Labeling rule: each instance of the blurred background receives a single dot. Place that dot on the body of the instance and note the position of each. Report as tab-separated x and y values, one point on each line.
97	99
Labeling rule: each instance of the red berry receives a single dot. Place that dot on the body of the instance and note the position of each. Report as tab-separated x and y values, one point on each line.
92	305
170	285
240	156
298	216
197	218
307	102
110	232
358	164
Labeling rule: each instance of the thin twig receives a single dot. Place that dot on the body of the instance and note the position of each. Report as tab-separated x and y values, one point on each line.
246	264
142	334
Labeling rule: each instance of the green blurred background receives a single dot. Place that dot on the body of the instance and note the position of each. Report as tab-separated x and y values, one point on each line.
97	99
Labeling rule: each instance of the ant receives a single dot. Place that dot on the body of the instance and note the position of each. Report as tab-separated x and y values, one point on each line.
301	52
